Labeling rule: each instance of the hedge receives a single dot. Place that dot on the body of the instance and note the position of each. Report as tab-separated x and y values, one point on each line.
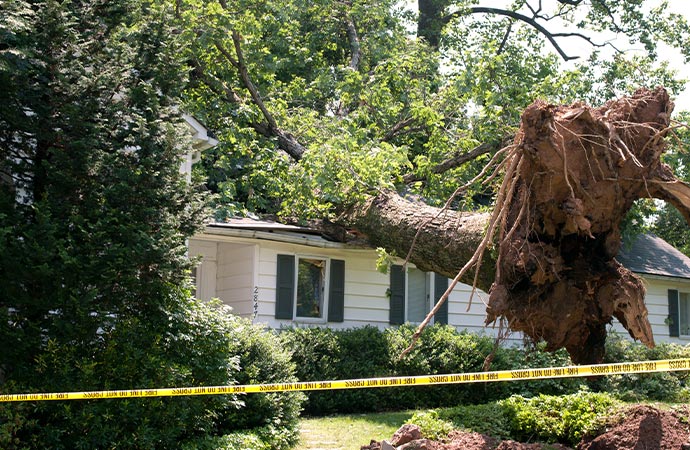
326	354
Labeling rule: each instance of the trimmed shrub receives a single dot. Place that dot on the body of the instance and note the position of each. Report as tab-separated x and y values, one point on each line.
440	350
263	359
528	357
327	354
662	386
199	345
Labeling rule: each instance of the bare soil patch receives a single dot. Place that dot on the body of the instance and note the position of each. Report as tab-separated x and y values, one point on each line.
640	427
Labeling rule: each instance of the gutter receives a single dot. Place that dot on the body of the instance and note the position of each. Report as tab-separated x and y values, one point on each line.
318	242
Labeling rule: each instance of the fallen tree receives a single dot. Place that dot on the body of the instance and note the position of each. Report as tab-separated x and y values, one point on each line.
571	175
335	111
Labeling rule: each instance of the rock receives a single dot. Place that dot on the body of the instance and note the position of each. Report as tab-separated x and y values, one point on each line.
405	434
419	444
385	445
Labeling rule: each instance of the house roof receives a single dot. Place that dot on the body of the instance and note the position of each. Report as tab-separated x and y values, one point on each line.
274	231
648	255
203	138
651	255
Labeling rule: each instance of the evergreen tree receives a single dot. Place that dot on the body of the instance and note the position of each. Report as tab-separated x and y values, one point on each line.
93	220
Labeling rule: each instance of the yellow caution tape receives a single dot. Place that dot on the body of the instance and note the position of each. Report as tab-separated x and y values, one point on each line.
422	380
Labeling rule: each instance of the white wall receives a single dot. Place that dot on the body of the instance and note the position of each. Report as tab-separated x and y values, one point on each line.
204	253
656	300
235	276
242	273
365	288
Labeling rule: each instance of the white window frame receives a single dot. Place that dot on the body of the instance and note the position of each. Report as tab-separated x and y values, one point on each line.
326	287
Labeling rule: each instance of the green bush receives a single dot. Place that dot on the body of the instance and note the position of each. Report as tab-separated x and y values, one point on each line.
431	425
440	350
528	357
263	359
489	418
195	346
662	386
327	354
240	440
549	418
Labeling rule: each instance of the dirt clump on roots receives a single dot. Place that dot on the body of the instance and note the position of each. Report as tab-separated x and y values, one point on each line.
571	176
639	427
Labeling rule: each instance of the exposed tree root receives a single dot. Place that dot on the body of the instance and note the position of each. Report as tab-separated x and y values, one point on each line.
569	178
581	169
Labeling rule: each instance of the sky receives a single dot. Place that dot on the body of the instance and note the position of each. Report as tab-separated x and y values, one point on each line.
575	46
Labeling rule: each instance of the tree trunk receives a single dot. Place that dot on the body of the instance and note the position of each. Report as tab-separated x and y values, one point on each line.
571	176
443	240
431	20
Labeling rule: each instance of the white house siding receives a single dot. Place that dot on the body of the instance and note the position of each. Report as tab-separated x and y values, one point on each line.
235	276
366	292
656	299
366	302
241	271
225	270
204	252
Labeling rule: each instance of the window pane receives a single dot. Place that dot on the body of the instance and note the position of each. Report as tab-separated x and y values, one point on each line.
310	287
684	316
417	295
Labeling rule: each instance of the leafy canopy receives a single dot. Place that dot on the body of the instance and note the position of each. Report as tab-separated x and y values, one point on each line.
369	95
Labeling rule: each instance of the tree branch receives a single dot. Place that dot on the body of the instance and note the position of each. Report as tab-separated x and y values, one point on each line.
286	141
355	47
455	161
397	128
517	16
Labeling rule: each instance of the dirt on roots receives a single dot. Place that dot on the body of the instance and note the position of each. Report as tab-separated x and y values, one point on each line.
640	427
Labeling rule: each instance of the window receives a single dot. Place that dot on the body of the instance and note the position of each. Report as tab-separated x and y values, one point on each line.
412	292
310	288
417	295
678	313
311	284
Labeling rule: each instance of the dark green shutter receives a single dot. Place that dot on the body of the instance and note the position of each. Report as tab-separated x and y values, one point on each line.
440	287
673	313
336	291
285	286
397	291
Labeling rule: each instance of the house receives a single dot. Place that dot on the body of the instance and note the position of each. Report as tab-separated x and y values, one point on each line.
666	272
202	139
281	275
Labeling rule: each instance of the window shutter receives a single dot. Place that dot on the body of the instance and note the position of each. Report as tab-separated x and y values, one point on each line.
673	313
440	286
285	286
397	291
336	291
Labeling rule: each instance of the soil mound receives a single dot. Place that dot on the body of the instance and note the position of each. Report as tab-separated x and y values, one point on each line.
640	427
644	427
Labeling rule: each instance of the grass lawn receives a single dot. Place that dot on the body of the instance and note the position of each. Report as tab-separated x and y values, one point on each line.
348	432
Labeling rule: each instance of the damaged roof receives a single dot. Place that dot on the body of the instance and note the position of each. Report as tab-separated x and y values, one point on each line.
651	255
